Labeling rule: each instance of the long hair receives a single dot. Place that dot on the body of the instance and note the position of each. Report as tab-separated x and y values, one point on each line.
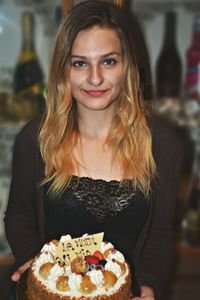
129	136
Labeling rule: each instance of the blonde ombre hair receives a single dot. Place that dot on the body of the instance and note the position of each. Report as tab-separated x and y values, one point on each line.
129	136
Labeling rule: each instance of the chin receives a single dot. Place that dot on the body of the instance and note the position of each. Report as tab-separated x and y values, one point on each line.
96	105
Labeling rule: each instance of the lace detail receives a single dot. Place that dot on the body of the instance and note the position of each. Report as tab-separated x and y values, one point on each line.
102	198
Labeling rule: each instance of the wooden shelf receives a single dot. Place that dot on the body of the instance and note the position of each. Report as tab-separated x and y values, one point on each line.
183	283
184	250
6	260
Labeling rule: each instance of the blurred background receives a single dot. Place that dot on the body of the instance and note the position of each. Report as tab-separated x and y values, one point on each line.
168	53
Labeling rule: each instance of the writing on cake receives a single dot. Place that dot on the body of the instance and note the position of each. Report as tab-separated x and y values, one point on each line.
68	249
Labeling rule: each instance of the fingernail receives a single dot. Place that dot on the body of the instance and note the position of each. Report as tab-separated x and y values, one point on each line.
15	277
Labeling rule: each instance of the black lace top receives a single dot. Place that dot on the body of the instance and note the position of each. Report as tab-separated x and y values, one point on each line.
95	205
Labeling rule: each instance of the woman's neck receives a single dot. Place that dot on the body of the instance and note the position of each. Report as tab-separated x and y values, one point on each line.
92	151
94	124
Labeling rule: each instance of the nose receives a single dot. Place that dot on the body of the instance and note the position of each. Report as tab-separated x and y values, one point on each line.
95	76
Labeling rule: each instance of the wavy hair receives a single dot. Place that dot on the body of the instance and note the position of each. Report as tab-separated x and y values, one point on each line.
129	136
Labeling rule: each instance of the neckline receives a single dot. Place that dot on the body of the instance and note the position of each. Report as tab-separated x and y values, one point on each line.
97	179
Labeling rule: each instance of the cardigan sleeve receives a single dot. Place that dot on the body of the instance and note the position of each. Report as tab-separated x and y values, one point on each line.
21	225
154	261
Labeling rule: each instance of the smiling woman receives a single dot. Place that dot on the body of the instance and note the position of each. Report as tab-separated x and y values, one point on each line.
95	162
80	54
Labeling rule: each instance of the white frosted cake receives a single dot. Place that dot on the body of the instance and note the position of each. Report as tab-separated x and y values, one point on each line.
103	274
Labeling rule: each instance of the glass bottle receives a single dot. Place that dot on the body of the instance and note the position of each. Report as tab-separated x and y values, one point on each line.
192	82
168	66
6	75
191	221
28	76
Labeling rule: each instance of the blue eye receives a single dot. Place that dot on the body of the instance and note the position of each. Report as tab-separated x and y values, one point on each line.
79	64
109	62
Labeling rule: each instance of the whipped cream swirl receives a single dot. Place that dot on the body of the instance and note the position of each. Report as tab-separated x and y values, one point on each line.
96	277
56	271
113	267
105	246
75	281
117	256
49	247
45	257
66	237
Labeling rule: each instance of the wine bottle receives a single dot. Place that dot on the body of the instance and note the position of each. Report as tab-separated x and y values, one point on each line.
169	67
28	75
191	221
192	82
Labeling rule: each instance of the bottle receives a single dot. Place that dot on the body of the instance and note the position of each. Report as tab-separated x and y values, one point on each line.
6	75
168	67
192	82
191	221
28	75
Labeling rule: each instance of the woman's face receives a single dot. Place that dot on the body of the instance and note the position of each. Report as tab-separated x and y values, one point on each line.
96	68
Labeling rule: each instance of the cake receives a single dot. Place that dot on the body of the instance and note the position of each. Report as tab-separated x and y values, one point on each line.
102	275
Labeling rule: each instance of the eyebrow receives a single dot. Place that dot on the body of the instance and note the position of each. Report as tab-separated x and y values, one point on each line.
103	56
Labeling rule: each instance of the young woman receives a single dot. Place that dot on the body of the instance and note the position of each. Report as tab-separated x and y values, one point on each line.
96	161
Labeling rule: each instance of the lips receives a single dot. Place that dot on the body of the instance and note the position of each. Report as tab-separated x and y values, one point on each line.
95	93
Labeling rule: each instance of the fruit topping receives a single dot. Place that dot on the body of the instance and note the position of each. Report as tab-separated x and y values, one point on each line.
98	254
92	267
62	284
45	269
113	251
55	242
92	260
109	279
103	262
79	265
87	286
100	267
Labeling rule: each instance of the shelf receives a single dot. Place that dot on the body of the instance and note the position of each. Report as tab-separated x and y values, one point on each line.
7	260
184	250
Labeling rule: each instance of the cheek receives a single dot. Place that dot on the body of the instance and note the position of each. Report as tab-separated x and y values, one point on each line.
74	82
118	82
117	77
76	79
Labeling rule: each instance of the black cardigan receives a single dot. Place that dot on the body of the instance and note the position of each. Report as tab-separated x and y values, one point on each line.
25	217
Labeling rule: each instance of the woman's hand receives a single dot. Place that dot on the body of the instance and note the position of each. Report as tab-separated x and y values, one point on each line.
17	274
143	298
147	293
